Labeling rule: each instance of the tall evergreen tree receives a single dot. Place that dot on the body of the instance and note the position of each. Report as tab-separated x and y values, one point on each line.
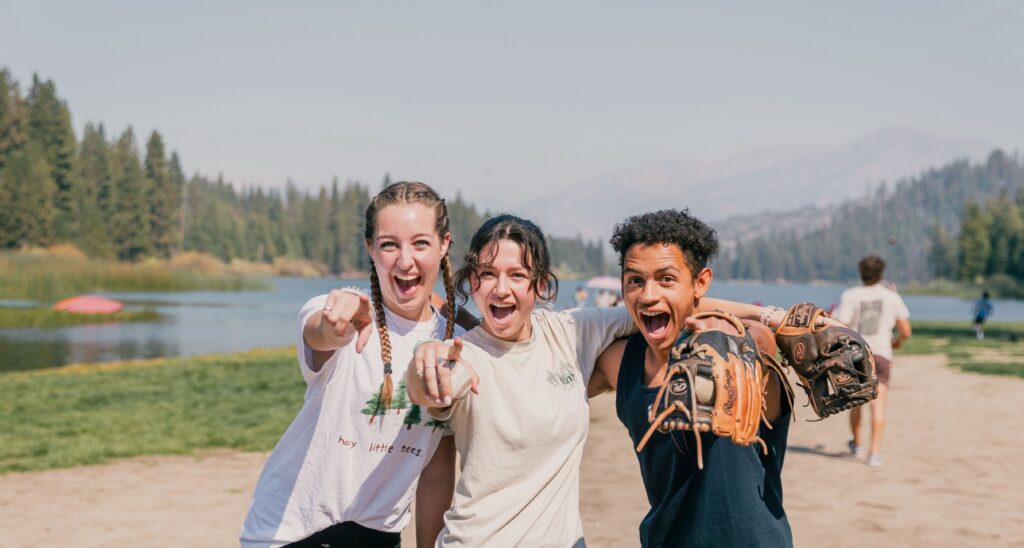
351	220
177	189
1007	225
1017	249
334	229
12	116
942	254
316	217
28	213
95	192
49	128
130	220
165	199
975	243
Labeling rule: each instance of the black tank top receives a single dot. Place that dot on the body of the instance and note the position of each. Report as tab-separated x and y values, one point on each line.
736	500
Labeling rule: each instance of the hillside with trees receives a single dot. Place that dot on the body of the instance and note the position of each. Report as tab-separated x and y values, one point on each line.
112	199
958	222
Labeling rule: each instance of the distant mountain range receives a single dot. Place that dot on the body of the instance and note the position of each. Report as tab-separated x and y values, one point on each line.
898	222
731	194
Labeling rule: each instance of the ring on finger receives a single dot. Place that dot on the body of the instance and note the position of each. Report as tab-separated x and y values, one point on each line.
327	309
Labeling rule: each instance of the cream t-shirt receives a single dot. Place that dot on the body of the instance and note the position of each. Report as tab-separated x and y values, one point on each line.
520	441
333	464
872	311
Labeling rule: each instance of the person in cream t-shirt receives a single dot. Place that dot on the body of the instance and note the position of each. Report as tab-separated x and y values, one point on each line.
521	438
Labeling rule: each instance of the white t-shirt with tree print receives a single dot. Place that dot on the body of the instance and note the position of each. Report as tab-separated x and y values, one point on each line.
342	459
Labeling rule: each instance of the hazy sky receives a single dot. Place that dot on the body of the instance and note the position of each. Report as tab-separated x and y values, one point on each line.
516	97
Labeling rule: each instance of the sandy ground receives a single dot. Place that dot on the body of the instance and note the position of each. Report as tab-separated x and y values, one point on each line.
954	476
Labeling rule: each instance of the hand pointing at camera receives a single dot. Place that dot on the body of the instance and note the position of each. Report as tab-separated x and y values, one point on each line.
437	376
345	315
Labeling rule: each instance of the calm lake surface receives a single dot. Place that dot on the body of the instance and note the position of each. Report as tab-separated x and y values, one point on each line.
212	321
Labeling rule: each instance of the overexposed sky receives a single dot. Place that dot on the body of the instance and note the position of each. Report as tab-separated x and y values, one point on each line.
512	99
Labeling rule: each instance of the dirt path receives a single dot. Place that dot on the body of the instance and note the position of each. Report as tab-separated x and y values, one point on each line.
954	476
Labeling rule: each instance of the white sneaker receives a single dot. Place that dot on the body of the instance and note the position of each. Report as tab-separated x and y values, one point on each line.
875	459
855	450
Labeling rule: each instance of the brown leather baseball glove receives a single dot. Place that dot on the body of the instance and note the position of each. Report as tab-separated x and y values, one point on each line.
715	382
835	365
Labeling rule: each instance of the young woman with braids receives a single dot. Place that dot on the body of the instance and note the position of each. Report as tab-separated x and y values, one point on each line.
520	435
346	470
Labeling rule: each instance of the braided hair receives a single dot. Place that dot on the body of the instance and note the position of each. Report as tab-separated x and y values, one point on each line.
401	194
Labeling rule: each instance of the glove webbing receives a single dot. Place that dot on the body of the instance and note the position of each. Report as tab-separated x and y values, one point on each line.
669	409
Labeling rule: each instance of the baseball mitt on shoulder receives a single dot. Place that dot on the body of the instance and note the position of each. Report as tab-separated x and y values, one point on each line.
715	382
835	365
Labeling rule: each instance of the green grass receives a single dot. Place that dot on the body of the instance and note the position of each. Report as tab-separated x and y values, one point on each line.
87	414
1000	353
51	277
45	317
1000	286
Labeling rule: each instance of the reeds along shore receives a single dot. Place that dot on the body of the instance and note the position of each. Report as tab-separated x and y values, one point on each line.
44	317
48	276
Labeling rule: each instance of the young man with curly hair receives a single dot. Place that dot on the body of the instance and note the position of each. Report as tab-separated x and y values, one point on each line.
736	500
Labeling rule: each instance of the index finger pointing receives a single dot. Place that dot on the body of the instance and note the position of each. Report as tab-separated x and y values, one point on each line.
456	350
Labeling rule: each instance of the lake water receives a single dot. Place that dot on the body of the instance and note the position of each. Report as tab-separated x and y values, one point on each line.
213	321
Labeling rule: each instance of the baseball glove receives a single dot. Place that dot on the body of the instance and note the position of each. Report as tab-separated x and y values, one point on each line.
834	364
715	382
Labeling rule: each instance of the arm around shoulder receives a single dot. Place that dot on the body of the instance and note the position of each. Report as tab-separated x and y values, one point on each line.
606	369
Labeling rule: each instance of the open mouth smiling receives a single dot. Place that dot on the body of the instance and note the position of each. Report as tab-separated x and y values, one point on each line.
501	311
655	323
406	283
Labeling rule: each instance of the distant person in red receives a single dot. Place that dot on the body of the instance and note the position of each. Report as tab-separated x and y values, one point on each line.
873	310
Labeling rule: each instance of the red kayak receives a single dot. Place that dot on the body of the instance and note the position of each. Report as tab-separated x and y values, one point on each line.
89	304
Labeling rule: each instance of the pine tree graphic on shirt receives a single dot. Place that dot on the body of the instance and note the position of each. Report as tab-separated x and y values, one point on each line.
373	406
435	423
413	417
399	401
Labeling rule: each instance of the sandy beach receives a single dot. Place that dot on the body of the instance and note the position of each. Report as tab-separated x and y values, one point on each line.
954	476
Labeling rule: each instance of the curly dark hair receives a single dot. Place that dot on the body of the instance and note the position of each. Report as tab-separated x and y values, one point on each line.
695	239
530	238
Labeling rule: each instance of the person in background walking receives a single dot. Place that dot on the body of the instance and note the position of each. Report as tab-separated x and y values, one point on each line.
982	310
872	310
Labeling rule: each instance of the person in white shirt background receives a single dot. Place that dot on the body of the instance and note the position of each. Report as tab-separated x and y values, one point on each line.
873	310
